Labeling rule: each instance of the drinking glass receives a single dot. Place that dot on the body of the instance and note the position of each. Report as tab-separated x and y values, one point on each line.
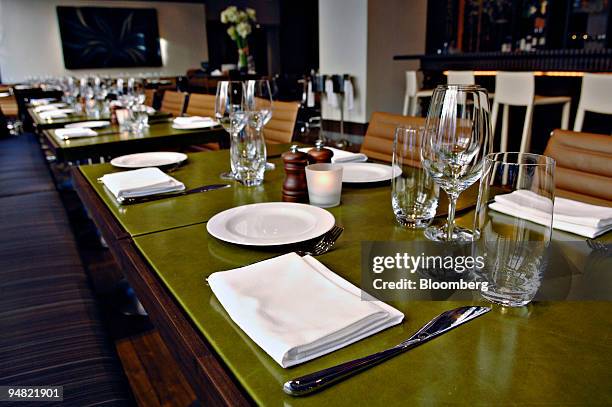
414	195
514	250
456	139
248	157
249	148
230	112
140	119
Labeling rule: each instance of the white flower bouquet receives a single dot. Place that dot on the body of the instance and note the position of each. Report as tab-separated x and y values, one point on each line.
239	22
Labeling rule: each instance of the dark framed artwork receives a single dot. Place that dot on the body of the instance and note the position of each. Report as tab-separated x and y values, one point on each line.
103	37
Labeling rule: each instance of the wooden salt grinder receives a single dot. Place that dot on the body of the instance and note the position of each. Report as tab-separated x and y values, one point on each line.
320	154
294	187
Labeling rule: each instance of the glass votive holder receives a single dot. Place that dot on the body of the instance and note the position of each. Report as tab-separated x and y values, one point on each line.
324	184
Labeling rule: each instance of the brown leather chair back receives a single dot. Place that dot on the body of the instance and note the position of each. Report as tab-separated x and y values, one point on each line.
201	105
280	128
149	97
584	166
378	141
173	102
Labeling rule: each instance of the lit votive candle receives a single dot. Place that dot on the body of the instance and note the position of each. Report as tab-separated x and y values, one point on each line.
324	184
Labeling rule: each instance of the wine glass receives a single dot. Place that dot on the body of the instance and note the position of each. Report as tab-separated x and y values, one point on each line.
258	103
457	136
230	113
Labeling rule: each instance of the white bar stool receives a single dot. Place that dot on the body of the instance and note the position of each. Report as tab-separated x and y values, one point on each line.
518	89
595	96
460	78
413	93
463	78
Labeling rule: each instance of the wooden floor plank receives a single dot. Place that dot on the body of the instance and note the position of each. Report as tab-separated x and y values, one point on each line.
154	376
143	389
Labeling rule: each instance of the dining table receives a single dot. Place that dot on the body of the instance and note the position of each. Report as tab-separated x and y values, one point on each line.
551	352
42	123
112	142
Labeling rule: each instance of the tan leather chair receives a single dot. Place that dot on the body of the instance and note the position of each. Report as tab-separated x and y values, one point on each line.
280	128
173	102
378	141
149	97
584	166
201	105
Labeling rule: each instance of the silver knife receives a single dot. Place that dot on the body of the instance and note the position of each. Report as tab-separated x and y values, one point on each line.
140	199
444	322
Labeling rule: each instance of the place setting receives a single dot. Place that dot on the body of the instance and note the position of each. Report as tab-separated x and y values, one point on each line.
267	203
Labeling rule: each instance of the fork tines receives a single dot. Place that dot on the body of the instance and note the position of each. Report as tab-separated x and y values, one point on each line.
324	244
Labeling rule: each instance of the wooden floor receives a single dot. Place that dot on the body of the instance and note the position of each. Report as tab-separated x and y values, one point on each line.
154	376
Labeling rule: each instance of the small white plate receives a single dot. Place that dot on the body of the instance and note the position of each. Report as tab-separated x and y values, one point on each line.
90	125
154	159
360	173
270	224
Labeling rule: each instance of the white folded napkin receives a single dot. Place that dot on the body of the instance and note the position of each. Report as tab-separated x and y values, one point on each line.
141	182
37	102
349	95
341	156
310	96
74	132
568	215
50	106
191	122
332	98
296	309
54	114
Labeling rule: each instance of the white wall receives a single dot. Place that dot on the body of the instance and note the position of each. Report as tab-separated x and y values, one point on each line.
30	43
343	45
360	37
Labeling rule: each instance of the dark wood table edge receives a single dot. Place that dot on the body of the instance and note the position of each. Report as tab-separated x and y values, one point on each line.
211	380
121	147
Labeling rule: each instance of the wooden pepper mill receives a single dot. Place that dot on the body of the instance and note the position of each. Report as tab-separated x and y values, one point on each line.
320	154
294	187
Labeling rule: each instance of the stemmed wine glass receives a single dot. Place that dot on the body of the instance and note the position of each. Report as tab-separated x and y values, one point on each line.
258	103
230	112
456	138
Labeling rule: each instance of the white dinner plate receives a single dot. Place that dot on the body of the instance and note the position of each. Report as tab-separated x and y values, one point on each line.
154	159
270	224
194	125
368	172
94	124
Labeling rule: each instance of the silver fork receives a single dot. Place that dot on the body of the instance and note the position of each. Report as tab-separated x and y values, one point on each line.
597	246
324	244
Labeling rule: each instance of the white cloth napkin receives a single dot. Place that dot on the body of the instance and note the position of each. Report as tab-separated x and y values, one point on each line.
74	132
341	156
296	309
55	114
193	122
37	102
349	95
310	96
568	215
332	98
141	182
51	106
